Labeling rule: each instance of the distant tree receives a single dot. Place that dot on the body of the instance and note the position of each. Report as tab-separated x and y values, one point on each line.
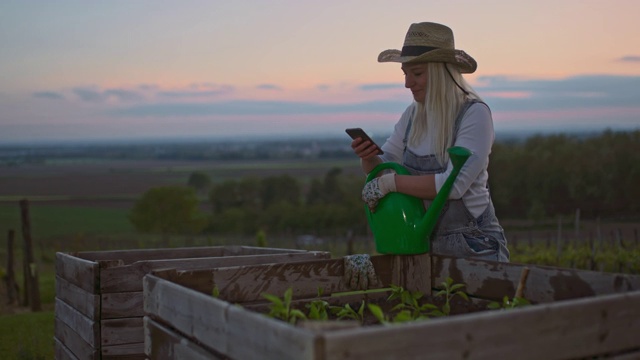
168	210
200	181
236	194
234	220
328	191
315	193
280	188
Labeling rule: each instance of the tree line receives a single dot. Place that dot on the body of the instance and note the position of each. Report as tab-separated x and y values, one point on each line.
537	178
547	176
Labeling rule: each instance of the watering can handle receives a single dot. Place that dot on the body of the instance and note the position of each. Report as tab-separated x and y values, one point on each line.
399	169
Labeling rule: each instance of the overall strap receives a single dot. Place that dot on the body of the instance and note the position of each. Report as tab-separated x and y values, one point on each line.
406	135
467	104
461	113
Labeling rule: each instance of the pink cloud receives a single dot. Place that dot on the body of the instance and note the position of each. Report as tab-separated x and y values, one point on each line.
508	94
603	113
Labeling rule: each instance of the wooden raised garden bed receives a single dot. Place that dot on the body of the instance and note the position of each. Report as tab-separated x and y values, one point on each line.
574	314
99	299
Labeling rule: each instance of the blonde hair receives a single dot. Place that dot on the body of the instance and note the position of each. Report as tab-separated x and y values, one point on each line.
435	119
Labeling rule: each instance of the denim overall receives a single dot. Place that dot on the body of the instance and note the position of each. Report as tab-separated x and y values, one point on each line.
457	232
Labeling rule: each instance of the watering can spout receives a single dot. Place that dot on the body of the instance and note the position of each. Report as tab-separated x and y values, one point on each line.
400	224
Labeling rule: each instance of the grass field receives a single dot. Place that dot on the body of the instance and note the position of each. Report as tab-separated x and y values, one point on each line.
27	336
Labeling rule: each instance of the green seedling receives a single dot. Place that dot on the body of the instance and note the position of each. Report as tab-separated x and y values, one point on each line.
281	308
379	314
318	309
449	291
509	303
409	308
215	292
347	312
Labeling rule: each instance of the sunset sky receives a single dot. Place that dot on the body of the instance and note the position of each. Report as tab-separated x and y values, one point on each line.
121	69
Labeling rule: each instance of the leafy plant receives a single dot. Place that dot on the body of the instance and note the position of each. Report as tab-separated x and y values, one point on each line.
318	309
215	292
379	314
347	312
281	308
409	308
509	303
449	291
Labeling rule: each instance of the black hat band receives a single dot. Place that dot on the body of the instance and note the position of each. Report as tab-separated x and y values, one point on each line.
416	50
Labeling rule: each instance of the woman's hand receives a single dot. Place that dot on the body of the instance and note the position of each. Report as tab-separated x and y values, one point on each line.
366	150
378	188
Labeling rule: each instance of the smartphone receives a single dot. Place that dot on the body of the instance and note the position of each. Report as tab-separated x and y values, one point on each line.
359	133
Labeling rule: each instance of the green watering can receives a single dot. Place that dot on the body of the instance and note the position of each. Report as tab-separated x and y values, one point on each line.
400	224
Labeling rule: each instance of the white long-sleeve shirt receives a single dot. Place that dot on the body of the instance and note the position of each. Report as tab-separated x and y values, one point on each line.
475	133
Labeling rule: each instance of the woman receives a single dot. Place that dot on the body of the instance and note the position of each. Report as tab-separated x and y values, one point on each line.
446	112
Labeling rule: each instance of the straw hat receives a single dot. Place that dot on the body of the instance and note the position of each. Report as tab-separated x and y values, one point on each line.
430	42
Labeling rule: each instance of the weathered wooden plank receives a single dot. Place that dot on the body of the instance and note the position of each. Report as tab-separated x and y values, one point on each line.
161	343
219	325
62	352
124	352
133	255
238	250
73	342
122	305
562	330
78	298
413	272
493	280
247	283
79	272
86	328
122	331
129	278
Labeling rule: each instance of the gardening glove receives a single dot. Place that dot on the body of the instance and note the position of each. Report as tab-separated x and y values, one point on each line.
359	272
377	188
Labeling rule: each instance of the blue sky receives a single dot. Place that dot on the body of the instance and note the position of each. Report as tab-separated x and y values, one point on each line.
73	70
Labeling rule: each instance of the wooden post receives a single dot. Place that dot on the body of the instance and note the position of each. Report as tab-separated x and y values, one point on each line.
559	242
620	247
12	286
598	233
350	239
32	290
599	239
619	240
521	284
577	227
592	243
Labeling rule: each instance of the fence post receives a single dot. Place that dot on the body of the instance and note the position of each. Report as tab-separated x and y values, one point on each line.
592	244
350	240
577	226
598	233
32	290
12	286
559	242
